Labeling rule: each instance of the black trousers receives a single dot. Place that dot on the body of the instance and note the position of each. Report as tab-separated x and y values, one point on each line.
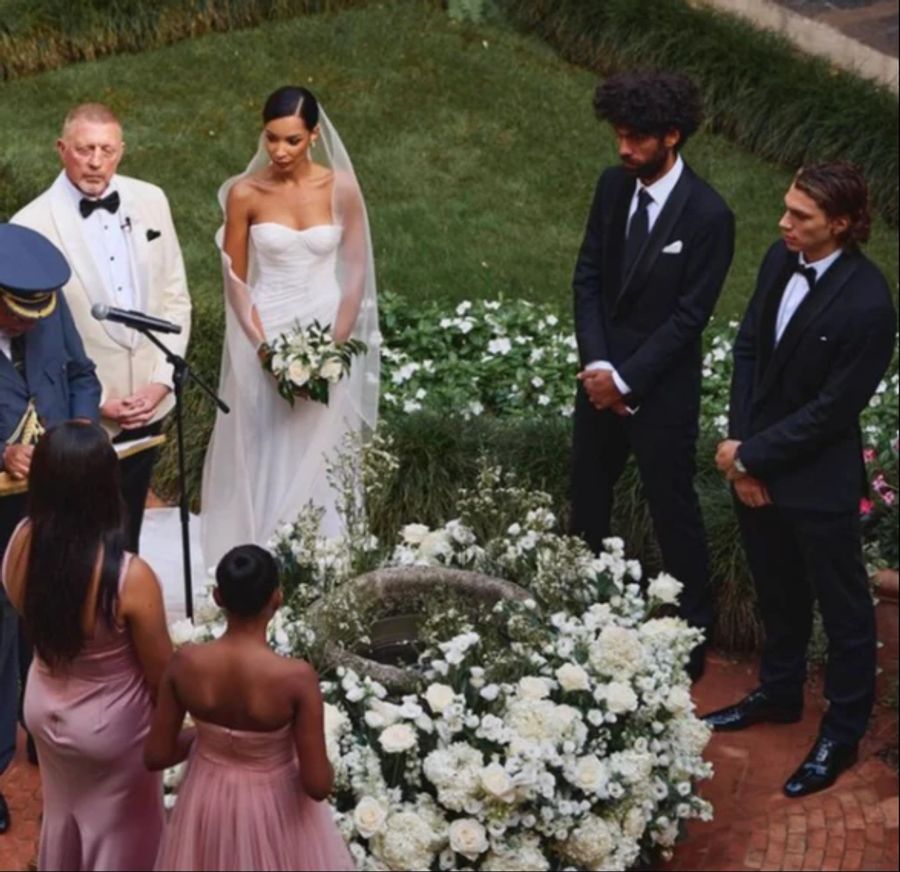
666	459
136	472
797	557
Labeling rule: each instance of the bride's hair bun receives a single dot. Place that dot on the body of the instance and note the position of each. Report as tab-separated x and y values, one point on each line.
292	100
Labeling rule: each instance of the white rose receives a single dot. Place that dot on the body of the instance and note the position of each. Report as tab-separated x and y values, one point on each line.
531	687
413	534
665	589
468	837
589	774
181	632
496	781
679	701
572	677
331	370
620	698
298	373
439	696
369	817
398	738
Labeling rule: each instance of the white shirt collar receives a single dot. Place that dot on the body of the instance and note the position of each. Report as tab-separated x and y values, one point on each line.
78	195
821	265
663	187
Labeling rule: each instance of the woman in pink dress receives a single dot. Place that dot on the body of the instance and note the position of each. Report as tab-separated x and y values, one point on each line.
95	616
258	773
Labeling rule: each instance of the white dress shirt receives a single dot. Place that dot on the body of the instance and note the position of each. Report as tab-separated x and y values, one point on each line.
6	344
659	192
796	290
106	235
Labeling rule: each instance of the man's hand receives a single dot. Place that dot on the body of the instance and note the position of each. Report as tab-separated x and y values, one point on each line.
752	492
601	389
725	456
137	410
17	460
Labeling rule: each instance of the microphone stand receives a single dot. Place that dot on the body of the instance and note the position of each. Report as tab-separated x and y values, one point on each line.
181	374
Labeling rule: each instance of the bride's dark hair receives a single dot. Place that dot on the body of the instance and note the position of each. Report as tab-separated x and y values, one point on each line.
292	100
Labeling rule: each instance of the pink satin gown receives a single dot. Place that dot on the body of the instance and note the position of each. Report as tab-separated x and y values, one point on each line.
102	809
241	806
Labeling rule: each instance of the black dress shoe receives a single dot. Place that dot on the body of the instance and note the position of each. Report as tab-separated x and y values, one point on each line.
4	815
757	708
821	768
696	664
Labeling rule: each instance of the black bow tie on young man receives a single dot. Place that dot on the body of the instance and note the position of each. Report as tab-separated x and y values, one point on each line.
808	273
110	202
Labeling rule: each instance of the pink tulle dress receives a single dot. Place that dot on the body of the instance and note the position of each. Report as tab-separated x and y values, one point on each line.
241	806
102	809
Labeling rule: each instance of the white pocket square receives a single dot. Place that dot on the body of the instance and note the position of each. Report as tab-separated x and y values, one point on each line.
673	247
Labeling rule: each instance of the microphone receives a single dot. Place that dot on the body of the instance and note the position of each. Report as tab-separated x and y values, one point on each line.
135	320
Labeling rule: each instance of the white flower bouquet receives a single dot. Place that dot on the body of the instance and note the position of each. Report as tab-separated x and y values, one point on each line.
306	361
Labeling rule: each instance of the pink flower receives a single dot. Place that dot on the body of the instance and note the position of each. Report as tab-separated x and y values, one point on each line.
865	507
869	455
888	496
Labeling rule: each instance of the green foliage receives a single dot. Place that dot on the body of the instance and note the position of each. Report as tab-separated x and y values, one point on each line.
760	91
38	35
475	11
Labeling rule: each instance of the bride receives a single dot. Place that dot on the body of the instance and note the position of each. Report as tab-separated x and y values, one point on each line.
295	248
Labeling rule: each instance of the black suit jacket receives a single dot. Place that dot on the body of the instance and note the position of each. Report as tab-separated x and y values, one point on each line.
649	323
796	406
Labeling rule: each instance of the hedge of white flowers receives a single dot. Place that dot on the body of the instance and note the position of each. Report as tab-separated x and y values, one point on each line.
553	733
513	357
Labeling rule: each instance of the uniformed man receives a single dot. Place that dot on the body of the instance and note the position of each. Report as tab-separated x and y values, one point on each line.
45	378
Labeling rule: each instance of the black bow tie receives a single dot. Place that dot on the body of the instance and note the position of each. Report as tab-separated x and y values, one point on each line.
110	202
808	273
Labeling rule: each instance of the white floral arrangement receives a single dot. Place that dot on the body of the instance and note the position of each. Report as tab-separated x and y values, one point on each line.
587	760
306	361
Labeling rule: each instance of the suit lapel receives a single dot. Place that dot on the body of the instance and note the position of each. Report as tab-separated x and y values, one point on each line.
614	248
74	244
813	305
657	239
769	316
136	236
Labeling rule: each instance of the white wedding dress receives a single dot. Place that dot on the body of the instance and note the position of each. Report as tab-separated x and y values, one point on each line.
268	459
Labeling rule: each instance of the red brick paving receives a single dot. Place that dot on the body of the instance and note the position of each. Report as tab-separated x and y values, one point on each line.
854	825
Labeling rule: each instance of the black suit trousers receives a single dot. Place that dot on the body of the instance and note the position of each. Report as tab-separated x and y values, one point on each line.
666	459
799	556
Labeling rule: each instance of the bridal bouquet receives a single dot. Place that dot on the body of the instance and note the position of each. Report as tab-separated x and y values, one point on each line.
306	361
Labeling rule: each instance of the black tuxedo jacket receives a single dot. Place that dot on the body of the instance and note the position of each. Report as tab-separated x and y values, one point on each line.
796	405
649	323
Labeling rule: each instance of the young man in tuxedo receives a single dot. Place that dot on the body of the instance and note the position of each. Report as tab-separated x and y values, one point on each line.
118	235
45	378
657	248
816	340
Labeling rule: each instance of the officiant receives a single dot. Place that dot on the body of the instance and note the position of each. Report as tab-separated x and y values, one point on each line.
45	378
118	235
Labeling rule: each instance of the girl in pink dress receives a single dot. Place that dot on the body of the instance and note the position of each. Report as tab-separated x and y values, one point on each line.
258	773
95	617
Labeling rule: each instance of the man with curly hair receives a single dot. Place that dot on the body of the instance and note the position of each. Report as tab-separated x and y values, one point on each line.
657	247
816	340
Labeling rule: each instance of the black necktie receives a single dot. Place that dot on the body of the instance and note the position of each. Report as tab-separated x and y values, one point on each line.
808	273
110	202
638	230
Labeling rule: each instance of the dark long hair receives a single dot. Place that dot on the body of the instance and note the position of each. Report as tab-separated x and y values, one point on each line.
76	511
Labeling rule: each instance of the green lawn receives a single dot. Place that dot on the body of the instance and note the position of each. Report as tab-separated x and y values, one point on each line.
476	148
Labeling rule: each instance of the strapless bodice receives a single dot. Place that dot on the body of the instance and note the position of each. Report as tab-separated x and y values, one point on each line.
247	749
296	276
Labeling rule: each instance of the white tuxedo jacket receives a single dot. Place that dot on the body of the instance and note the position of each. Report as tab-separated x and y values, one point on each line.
125	359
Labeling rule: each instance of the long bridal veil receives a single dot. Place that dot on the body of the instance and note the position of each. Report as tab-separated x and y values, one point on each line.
237	506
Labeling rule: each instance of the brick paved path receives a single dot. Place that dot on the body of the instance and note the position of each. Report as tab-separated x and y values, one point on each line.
852	826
